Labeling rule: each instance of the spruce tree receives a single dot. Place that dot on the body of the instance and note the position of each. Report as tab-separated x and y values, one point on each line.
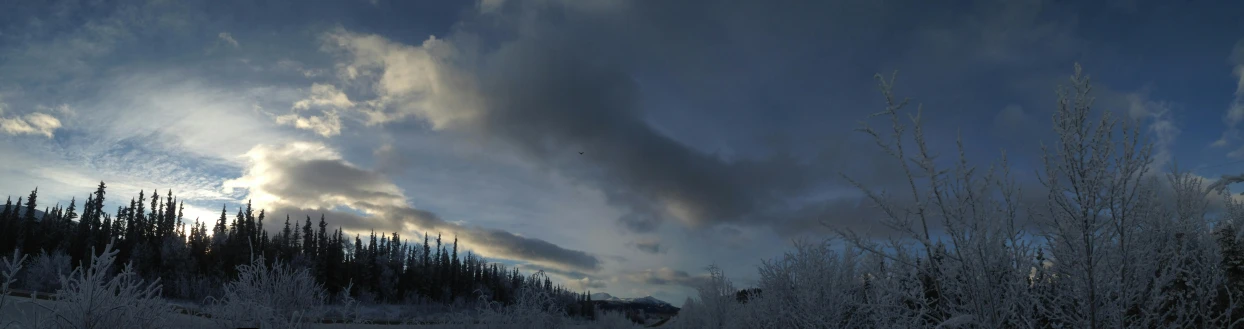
78	247
251	233
358	249
141	212
8	226
105	231
181	214
218	232
16	227
30	233
296	244
169	220
321	259
454	271
153	218
96	220
308	243
259	224
4	215
322	239
234	229
28	217
287	237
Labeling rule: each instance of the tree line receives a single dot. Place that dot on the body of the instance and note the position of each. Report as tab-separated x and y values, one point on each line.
194	259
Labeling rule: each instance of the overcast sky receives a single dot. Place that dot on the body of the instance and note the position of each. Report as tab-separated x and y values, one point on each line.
621	145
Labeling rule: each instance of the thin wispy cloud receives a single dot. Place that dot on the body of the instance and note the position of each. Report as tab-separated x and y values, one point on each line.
228	39
30	124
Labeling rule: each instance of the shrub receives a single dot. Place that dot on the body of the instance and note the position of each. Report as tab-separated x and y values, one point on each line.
12	266
88	298
44	271
268	297
533	308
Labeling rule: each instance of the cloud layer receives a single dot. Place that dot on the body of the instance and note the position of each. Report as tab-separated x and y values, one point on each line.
300	178
541	96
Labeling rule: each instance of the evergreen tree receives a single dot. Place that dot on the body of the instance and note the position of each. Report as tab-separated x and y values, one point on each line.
140	216
251	233
455	282
259	224
322	239
287	238
358	249
322	260
308	239
4	214
8	226
70	214
296	244
169	221
153	218
31	235
234	230
78	246
218	232
96	220
181	214
106	227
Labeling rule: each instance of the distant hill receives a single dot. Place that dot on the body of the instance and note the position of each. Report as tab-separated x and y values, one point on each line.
650	305
21	211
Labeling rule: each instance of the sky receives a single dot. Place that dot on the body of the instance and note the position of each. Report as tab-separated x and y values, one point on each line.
621	146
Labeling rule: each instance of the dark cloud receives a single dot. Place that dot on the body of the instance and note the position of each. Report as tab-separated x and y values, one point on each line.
346	220
571	274
494	242
389	161
585	284
508	245
575	280
551	79
648	246
311	179
665	276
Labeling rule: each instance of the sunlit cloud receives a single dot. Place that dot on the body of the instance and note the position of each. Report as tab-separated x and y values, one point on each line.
31	124
304	175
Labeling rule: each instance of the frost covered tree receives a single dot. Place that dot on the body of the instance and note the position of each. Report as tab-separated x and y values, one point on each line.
979	276
1093	185
10	268
45	270
1117	245
93	296
812	286
277	296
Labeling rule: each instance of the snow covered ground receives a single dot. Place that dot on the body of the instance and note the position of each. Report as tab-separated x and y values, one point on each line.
26	313
270	297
